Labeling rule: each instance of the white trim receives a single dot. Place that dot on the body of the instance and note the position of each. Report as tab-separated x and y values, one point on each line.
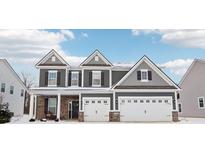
52	52
93	55
52	67
96	67
52	71
159	72
80	103
82	78
31	106
58	106
145	90
110	77
176	102
198	102
66	77
146	71
114	102
97	72
74	72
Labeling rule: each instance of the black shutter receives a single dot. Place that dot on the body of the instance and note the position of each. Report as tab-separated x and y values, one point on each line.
80	79
46	106
46	78
102	78
149	75
178	96
138	75
58	78
90	78
69	78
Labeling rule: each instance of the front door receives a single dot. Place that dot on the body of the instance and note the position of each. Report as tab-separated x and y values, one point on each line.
73	109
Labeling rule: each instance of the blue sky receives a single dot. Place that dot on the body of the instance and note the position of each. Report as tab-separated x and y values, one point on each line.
173	50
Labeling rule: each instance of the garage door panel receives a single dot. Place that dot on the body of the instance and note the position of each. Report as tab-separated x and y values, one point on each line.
97	109
145	108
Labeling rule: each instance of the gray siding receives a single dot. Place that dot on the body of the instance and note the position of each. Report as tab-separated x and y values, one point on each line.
49	61
117	76
93	62
132	78
86	78
192	88
100	95
43	75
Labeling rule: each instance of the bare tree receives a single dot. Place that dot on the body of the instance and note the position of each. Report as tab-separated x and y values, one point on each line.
27	79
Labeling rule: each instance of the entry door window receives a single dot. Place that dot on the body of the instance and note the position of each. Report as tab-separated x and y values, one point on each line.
52	105
74	78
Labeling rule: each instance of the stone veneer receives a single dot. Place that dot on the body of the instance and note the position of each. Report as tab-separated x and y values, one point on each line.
175	116
81	116
114	116
40	108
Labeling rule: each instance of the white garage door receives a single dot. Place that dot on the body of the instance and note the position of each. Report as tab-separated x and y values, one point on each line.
96	109
145	108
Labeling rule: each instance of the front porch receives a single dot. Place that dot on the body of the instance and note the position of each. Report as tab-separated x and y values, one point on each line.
54	107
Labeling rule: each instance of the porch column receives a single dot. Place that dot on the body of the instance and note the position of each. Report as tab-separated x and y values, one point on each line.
31	107
59	106
35	105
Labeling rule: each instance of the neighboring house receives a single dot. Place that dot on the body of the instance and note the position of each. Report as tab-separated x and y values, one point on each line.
191	98
12	88
98	91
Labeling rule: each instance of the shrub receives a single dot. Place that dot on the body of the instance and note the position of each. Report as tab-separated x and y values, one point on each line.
5	114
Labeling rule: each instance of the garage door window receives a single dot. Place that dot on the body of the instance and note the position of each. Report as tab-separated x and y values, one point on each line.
129	101
135	101
93	101
141	101
160	101
201	102
147	101
153	101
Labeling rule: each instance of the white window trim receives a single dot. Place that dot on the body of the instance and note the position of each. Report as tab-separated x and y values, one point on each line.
198	102
97	58
75	72
56	77
144	70
92	78
53	58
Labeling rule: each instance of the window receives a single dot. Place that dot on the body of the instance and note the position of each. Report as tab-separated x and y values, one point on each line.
96	58
96	78
3	87
11	89
180	107
99	101
201	102
93	101
144	75
147	101
22	92
129	101
87	102
166	101
74	78
135	101
141	101
153	101
53	59
52	102
52	78
160	101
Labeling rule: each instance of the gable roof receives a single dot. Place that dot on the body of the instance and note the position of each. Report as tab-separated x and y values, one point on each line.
13	72
92	55
154	67
189	69
49	54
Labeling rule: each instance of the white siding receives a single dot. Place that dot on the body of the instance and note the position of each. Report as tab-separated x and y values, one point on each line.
15	100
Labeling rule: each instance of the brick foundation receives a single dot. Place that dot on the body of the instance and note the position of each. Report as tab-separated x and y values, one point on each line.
114	116
81	116
175	116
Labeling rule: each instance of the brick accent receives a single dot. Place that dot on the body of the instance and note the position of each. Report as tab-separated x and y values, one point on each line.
114	116
81	116
175	116
40	108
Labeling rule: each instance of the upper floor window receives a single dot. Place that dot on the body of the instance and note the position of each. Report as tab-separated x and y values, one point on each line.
52	78
74	78
144	75
96	78
22	92
3	87
201	102
11	89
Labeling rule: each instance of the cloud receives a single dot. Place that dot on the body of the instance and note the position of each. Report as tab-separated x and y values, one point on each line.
178	66
84	34
74	60
189	38
69	34
28	46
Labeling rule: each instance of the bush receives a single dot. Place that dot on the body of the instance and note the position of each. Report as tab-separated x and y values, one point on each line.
5	116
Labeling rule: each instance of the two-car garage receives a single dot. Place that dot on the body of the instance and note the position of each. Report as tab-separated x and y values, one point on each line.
145	108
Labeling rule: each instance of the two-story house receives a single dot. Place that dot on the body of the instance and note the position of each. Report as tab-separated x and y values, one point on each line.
97	90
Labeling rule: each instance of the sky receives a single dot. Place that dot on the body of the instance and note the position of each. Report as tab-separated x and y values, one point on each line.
172	50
